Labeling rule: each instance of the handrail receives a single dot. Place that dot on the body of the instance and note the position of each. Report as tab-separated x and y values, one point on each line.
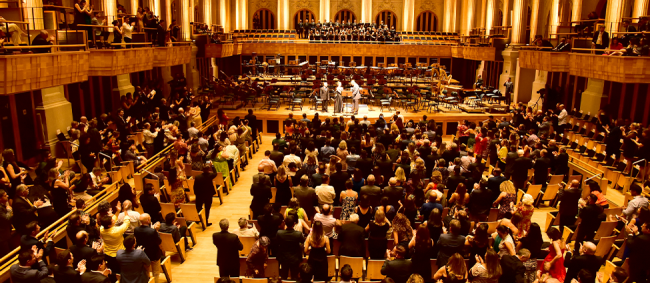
13	22
95	26
132	43
41	46
58	7
182	42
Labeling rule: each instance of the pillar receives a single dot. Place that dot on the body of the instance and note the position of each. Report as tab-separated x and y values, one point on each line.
122	86
454	15
590	99
469	16
523	84
539	83
324	11
191	73
614	13
510	56
167	76
506	13
242	14
409	14
283	15
640	9
534	17
448	15
184	19
555	16
214	67
134	7
55	112
489	16
205	10
576	13
519	12
366	11
167	8
483	13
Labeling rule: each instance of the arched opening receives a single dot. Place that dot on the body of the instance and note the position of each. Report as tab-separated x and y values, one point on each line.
426	21
263	19
303	15
345	15
386	17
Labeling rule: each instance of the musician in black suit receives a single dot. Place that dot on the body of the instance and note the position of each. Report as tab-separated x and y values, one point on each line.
479	82
510	88
96	271
324	96
228	247
204	190
299	28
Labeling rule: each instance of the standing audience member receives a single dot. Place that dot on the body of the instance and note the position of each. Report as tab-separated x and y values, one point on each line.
396	266
256	260
23	271
147	235
205	191
586	260
133	262
6	214
289	249
228	247
96	270
352	237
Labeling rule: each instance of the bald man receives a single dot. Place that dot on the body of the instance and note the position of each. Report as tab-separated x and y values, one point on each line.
569	204
586	260
80	250
146	235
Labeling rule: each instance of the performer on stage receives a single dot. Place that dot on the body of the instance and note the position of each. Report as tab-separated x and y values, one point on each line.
324	96
356	95
479	82
510	88
338	99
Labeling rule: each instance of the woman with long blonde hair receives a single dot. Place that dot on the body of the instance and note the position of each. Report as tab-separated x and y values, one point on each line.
342	153
402	230
454	271
486	271
507	197
317	246
400	176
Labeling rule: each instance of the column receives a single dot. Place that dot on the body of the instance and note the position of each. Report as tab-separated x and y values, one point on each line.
33	12
366	11
134	7
534	15
483	13
489	16
640	9
191	73
576	13
167	8
324	11
454	14
55	112
519	23
242	14
184	20
469	16
205	10
166	73
123	85
613	16
506	13
283	15
523	84
539	83
449	12
555	16
409	10
590	99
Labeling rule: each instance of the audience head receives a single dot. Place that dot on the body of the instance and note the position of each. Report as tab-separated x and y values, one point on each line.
224	224
96	263
64	258
326	209
129	243
354	218
523	254
554	234
26	258
456	267
81	238
415	278
454	227
346	273
619	275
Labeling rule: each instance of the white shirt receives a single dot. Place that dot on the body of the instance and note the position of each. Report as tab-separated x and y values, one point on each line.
561	119
194	132
326	194
134	218
127	29
149	136
292	158
269	165
96	179
231	152
599	41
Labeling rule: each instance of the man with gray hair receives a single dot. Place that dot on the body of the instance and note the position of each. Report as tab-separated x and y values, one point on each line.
520	170
373	192
24	210
393	192
147	236
352	237
228	247
42	39
244	231
587	260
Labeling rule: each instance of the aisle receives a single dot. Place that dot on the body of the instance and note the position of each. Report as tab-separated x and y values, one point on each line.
201	263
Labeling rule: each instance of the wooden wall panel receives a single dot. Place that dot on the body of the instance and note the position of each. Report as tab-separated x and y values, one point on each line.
545	61
219	50
112	62
345	49
457	52
480	53
611	68
22	73
170	56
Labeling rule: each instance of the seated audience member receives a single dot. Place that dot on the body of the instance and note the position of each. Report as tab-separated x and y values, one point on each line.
171	226
454	270
96	271
22	272
43	38
396	266
244	230
586	260
133	262
346	274
512	267
256	260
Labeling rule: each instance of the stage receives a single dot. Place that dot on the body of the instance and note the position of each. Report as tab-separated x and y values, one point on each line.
270	121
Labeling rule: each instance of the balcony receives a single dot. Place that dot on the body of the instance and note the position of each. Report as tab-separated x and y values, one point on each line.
457	52
544	60
26	72
112	62
347	49
222	50
480	53
172	56
612	68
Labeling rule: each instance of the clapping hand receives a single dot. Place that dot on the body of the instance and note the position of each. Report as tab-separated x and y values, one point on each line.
107	272
81	266
140	248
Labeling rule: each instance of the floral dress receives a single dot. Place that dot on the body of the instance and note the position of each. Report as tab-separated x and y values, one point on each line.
349	203
504	205
524	224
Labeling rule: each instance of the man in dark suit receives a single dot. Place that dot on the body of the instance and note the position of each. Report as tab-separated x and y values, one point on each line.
228	247
494	183
364	163
289	248
151	203
399	269
22	272
386	167
454	181
204	190
29	240
561	162
393	192
512	267
510	161
337	180
96	270
371	190
277	156
480	202
80	250
600	39
352	238
591	216
563	46
182	122
585	260
24	210
122	124
569	204
149	238
64	271
520	170
324	96
161	31
541	168
252	122
639	247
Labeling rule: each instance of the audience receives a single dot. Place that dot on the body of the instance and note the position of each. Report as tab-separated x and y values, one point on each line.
133	262
396	266
228	247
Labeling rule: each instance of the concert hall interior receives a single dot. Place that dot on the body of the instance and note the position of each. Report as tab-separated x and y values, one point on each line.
104	101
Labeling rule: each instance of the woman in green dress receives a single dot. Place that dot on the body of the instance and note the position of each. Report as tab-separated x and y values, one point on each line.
220	164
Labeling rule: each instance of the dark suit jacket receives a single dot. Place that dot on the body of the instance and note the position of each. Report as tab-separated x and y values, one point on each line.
94	277
26	243
28	275
148	238
277	157
373	192
591	216
228	247
541	169
605	41
81	252
394	194
352	238
66	274
480	202
203	186
494	185
365	165
397	269
510	162
151	206
569	202
512	270
289	246
639	247
561	164
23	214
521	166
452	183
589	262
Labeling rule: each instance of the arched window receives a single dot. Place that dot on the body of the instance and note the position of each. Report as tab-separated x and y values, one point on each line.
387	17
263	19
426	21
345	15
304	15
